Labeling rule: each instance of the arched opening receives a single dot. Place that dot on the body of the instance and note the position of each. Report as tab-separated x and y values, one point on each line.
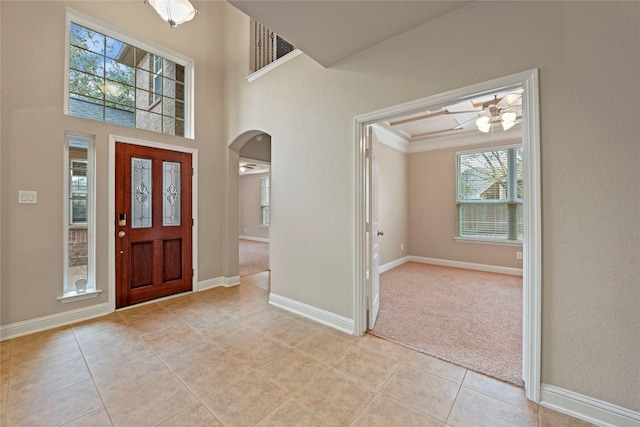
249	177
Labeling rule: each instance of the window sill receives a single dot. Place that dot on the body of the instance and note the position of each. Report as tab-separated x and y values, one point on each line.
78	296
275	64
488	241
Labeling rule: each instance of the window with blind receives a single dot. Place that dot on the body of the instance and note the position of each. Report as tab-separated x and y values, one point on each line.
264	201
489	194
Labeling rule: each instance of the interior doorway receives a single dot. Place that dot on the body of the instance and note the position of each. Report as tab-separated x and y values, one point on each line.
527	82
250	153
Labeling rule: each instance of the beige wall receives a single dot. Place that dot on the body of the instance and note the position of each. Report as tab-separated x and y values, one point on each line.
250	213
432	214
588	57
33	126
393	204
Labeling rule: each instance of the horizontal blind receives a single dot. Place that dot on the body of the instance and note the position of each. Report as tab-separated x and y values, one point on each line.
489	194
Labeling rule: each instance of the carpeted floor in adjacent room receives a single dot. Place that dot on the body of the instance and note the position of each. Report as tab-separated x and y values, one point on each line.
470	318
254	257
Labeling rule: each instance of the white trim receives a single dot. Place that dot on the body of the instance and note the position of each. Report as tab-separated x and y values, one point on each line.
76	296
111	206
467	265
31	326
466	139
216	282
255	239
393	264
532	245
319	315
483	241
587	408
390	139
275	64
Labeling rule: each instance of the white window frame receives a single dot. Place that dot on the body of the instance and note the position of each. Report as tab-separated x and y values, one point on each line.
72	139
477	239
157	76
116	33
71	222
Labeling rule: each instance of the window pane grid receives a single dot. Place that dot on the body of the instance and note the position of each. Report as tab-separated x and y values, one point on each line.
114	82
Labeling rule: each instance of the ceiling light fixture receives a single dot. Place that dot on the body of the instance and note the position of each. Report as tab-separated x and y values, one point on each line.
174	12
507	117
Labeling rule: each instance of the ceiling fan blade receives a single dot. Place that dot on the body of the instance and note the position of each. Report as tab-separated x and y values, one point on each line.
463	112
508	99
463	124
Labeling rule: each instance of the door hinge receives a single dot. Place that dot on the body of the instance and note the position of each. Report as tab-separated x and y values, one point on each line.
367	153
193	221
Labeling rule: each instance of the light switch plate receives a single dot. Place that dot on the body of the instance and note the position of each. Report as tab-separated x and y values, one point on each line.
27	197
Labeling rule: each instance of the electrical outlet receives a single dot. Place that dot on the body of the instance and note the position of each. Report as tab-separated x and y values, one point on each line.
402	246
518	255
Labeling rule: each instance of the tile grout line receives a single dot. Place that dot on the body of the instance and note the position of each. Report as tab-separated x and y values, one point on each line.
457	395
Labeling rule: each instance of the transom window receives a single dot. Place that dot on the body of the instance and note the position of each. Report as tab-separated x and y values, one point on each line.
489	195
115	80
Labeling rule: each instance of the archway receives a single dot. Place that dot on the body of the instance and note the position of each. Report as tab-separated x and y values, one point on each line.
253	146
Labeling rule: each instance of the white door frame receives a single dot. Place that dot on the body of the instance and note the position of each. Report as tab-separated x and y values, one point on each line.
112	206
532	244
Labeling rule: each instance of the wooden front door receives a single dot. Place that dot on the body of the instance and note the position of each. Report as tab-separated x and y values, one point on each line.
153	223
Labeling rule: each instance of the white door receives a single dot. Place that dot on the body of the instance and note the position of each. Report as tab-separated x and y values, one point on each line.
373	284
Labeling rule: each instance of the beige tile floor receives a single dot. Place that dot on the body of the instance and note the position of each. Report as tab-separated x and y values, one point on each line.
225	357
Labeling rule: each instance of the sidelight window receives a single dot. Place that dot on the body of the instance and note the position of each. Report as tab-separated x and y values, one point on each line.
79	214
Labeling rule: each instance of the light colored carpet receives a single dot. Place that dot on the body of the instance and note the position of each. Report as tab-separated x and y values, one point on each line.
254	257
470	318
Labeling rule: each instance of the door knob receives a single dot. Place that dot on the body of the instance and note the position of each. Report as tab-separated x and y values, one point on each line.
121	234
380	233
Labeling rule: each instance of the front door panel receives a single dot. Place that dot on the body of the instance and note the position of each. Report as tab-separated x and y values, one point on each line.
153	223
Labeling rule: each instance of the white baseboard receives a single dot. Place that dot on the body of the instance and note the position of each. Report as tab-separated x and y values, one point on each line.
255	239
587	408
218	281
466	265
393	264
319	315
39	324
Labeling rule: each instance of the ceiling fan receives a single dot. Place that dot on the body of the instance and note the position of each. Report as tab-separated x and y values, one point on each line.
496	110
244	166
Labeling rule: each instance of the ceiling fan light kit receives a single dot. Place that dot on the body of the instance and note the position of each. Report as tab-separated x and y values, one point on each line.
174	12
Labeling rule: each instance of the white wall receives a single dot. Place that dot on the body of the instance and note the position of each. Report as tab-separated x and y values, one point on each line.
433	213
393	203
250	212
33	127
589	61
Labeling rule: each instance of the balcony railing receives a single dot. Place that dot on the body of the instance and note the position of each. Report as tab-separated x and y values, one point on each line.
266	46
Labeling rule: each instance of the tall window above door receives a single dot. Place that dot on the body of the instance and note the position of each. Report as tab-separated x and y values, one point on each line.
116	79
489	194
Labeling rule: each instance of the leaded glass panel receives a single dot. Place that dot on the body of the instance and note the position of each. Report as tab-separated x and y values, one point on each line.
141	187
171	193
